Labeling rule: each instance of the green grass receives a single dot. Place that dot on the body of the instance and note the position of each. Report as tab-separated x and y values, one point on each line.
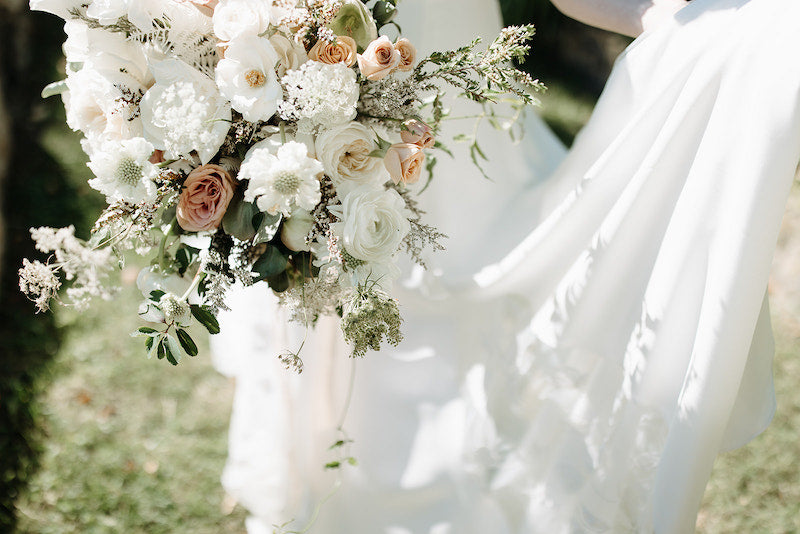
134	445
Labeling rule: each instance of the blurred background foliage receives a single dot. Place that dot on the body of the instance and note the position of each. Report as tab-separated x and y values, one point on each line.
123	444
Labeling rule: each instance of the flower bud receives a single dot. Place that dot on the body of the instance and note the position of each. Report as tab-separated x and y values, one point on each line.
384	12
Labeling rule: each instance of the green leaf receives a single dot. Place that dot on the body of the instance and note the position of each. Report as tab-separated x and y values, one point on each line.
443	148
270	264
173	349
156	295
187	343
146	330
333	465
55	88
205	318
148	344
161	349
238	219
352	461
279	283
267	227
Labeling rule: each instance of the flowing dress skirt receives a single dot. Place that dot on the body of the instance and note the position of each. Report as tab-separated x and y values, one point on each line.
593	337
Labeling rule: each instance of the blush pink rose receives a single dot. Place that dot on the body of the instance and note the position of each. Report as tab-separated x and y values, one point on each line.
204	199
417	133
404	161
408	54
379	59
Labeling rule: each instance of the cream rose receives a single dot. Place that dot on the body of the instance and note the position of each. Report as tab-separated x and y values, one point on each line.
404	161
408	54
417	133
379	59
343	50
204	199
374	223
345	153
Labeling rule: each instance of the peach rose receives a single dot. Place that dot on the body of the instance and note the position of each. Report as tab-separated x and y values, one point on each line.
204	199
343	50
379	59
404	161
408	54
417	133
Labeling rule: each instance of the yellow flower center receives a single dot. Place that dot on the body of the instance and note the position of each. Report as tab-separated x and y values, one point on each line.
255	78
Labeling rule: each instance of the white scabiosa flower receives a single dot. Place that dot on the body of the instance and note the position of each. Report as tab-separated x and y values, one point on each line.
344	151
123	171
184	112
281	181
320	95
246	77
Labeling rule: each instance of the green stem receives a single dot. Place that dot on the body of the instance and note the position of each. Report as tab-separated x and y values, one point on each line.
162	247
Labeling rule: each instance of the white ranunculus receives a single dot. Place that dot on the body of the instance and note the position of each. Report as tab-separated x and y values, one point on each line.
247	77
345	153
237	18
184	112
296	228
374	222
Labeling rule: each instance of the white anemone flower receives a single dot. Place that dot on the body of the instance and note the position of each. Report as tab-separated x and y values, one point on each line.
282	181
123	171
247	77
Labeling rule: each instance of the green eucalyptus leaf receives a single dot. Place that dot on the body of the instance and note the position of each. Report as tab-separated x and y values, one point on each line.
280	282
187	343
205	318
173	350
267	227
270	264
238	219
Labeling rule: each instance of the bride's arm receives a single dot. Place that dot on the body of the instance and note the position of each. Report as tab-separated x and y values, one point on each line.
629	17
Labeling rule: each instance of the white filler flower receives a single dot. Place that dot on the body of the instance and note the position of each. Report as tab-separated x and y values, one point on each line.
280	182
246	77
320	95
123	170
184	112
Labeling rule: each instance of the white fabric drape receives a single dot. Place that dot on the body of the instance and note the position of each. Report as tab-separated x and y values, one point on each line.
593	336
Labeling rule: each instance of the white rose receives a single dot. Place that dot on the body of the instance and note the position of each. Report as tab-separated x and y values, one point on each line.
296	228
345	153
236	18
246	77
373	224
290	54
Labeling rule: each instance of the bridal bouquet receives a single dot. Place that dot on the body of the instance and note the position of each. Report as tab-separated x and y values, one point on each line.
274	141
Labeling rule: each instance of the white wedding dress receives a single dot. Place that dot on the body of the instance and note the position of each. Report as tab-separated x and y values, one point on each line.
592	337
